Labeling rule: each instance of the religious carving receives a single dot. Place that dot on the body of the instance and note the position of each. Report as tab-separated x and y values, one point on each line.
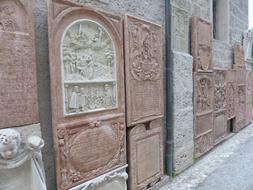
241	107
101	140
18	102
88	92
145	154
15	154
143	70
220	90
203	144
204	92
89	68
238	56
201	44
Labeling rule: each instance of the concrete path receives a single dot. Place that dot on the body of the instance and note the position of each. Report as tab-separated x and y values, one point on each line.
229	166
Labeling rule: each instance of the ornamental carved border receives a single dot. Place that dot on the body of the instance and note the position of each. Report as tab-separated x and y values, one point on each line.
76	147
201	45
219	90
145	156
143	65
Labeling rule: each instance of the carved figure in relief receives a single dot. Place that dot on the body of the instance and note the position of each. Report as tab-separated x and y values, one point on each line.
7	18
145	62
73	103
230	99
203	100
10	141
220	91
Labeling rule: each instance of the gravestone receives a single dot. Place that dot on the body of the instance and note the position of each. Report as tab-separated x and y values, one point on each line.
18	84
144	91
87	80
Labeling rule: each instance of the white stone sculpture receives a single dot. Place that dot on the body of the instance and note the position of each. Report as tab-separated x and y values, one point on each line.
20	162
89	63
247	45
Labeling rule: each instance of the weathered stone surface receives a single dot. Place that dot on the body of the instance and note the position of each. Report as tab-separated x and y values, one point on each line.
222	54
114	180
231	93
203	112
247	45
240	107
248	97
18	83
220	126
144	76
238	57
86	45
183	111
145	156
180	29
219	90
201	45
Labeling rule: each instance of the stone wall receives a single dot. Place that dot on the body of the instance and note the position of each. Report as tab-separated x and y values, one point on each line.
182	11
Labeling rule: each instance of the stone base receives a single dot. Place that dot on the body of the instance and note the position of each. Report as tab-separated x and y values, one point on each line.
114	180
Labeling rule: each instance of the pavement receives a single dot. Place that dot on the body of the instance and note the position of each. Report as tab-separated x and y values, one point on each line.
229	166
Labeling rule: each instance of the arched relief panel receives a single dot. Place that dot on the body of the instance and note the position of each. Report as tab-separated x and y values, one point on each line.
87	80
18	103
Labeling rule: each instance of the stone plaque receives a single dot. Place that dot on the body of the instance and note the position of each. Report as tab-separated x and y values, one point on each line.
144	76
231	93
145	154
241	107
203	112
238	56
18	84
201	44
220	126
248	97
219	90
87	79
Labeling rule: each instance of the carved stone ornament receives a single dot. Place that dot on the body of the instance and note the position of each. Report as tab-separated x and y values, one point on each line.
219	90
88	68
220	126
145	154
88	97
247	45
241	107
19	156
231	89
203	112
18	84
144	78
201	45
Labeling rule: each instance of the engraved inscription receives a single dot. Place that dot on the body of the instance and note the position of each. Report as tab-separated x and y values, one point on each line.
88	68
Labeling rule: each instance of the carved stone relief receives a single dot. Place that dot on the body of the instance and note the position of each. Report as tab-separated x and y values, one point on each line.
20	161
203	112
18	102
248	97
241	107
201	44
145	154
231	93
247	45
143	70
89	68
101	140
87	79
219	90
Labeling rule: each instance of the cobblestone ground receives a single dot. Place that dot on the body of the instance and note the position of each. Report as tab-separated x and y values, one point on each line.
229	166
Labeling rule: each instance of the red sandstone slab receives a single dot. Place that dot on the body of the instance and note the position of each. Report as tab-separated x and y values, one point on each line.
238	57
231	91
241	107
219	89
145	146
18	82
201	45
143	66
220	126
87	81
